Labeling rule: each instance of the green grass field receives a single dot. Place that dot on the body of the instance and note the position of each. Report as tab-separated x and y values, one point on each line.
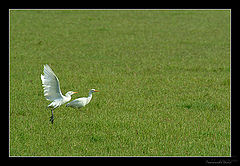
163	76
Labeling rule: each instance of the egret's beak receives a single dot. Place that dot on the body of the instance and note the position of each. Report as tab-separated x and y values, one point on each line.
96	90
75	92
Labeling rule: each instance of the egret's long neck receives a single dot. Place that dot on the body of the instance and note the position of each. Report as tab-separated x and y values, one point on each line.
89	97
68	97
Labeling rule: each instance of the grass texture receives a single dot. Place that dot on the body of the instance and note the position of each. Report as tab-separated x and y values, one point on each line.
163	76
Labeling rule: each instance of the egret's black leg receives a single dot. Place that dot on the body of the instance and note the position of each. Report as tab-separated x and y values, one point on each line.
52	118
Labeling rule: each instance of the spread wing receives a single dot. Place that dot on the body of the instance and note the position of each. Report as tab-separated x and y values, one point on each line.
51	84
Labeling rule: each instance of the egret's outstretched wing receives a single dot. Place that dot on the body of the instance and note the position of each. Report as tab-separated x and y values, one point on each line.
51	84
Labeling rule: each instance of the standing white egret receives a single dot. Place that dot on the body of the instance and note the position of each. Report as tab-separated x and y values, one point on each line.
81	102
52	90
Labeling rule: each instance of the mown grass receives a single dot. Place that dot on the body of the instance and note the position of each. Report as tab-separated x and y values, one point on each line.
163	76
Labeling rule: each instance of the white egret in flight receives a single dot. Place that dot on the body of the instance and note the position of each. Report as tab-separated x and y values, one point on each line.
81	102
52	90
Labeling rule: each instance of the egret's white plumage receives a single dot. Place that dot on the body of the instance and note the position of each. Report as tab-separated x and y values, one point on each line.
52	90
81	102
